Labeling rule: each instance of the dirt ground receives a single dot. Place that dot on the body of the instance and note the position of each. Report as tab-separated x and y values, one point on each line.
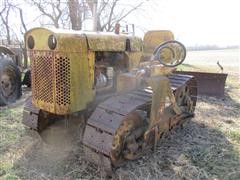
207	147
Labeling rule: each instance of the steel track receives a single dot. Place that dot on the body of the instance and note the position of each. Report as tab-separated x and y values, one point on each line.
108	116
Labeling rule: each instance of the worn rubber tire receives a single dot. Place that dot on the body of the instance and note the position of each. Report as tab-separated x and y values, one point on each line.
9	71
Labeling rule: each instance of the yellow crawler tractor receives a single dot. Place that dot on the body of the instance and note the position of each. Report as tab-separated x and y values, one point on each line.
124	87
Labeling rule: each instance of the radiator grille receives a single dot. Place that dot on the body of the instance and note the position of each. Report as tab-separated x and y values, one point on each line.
62	80
42	84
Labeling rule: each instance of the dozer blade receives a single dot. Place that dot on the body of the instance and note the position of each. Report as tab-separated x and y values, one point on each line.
208	84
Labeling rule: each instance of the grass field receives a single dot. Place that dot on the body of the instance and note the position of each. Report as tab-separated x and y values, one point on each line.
227	57
208	147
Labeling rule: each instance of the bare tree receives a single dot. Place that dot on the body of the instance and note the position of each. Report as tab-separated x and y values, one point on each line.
4	15
22	45
22	20
61	14
13	35
110	12
73	12
52	9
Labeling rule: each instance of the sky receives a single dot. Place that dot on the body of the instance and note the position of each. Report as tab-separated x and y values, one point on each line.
194	22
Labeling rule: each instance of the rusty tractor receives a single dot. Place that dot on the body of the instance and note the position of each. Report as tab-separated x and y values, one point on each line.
124	87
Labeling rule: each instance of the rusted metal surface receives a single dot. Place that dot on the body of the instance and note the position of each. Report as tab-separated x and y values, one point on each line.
122	104
105	120
30	115
109	138
62	78
102	161
35	118
98	140
208	84
116	106
188	80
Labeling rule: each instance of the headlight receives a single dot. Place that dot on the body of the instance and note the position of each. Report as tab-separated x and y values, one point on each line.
52	42
30	42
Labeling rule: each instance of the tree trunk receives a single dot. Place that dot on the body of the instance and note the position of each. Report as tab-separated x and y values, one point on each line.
75	14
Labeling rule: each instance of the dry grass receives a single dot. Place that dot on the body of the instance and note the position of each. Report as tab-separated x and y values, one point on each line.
208	147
